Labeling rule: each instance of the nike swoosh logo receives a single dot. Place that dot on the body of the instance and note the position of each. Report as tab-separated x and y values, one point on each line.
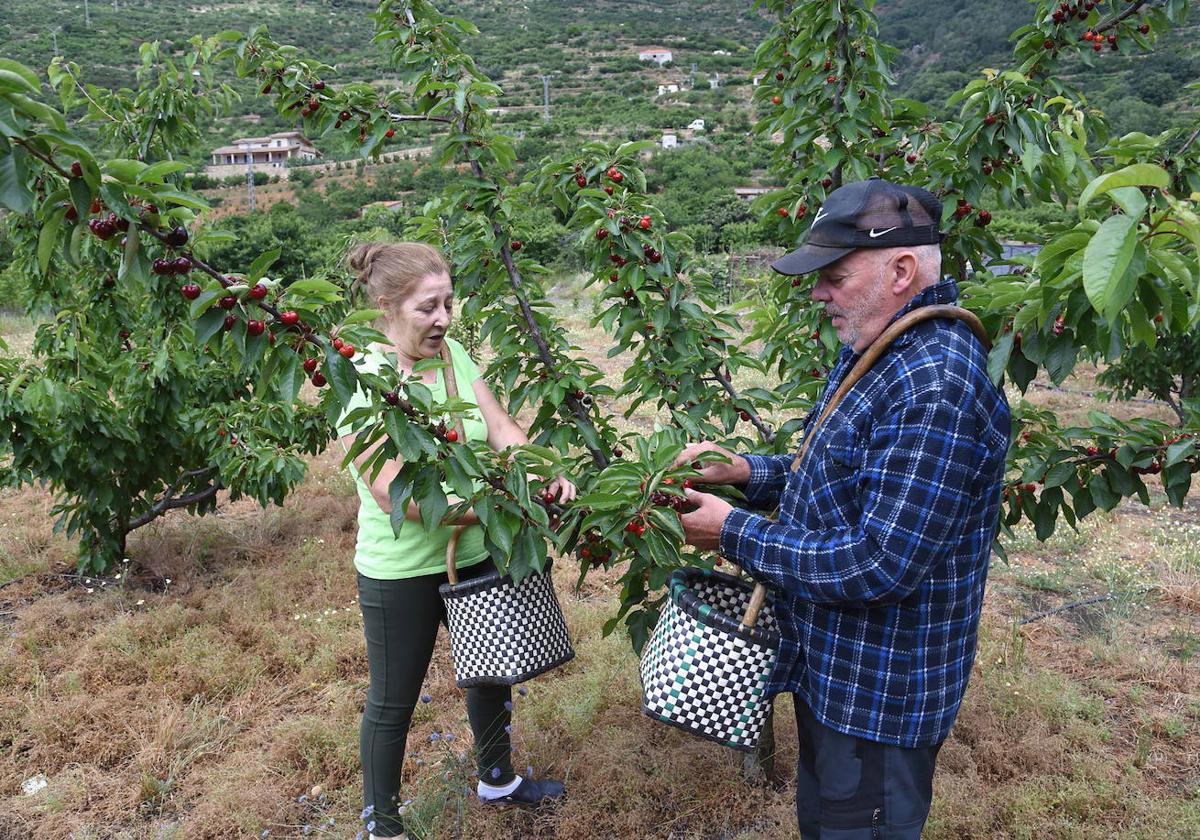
821	214
874	234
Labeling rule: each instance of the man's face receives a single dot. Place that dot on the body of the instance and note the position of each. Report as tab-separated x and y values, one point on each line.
856	296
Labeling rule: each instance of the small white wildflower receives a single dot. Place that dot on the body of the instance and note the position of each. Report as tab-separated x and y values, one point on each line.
168	581
141	601
90	590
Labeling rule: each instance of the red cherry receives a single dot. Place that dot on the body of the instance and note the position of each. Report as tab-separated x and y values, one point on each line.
390	133
338	344
612	172
547	497
1158	319
318	379
745	415
227	302
581	180
259	291
190	291
644	223
347	350
601	233
310	365
517	244
291	318
776	100
254	327
451	435
230	322
72	214
618	176
77	169
783	211
608	189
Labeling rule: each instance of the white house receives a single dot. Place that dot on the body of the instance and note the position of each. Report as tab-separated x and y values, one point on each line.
660	55
721	52
714	81
754	80
672	88
697	124
669	140
263	154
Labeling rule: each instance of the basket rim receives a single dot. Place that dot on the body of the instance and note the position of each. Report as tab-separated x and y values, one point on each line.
483	583
525	676
692	605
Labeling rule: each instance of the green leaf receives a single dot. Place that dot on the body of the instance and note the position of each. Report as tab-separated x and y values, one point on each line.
123	169
27	78
1105	261
358	316
259	267
47	239
1136	175
289	377
181	199
14	169
341	375
207	325
155	173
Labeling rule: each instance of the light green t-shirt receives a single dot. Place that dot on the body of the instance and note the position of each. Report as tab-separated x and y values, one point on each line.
379	553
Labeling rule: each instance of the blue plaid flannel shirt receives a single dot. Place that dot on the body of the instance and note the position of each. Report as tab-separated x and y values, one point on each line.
880	555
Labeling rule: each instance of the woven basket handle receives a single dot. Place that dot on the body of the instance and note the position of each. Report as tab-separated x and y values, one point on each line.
860	369
451	551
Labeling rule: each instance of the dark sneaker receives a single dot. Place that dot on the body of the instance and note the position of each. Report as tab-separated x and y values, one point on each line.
531	794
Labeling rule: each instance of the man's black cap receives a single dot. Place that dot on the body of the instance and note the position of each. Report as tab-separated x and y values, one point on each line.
866	214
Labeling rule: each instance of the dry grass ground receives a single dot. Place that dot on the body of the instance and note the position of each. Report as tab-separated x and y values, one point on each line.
219	677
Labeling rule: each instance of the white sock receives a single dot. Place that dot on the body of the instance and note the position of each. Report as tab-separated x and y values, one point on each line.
487	791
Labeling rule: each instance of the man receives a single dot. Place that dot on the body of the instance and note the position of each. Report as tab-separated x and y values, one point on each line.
880	553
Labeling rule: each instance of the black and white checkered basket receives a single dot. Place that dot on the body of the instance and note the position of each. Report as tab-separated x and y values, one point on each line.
706	666
503	633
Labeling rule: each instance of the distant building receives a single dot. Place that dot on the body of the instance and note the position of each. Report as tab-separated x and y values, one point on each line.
754	80
659	55
696	124
750	193
395	204
714	81
672	88
669	140
263	154
721	52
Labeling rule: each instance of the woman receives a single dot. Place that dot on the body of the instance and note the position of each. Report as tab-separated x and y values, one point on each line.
398	577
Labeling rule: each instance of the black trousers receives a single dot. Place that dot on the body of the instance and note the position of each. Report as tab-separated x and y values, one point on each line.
400	621
849	788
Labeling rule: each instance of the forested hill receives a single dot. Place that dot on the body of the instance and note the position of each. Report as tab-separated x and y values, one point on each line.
589	48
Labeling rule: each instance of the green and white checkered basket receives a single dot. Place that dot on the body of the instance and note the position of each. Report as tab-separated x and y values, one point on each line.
706	666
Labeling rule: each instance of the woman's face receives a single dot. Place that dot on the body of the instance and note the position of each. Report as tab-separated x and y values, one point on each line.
417	324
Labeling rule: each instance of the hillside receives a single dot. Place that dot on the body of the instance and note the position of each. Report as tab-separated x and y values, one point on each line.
588	51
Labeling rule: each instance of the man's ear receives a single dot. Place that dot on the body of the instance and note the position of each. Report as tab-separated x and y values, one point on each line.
902	273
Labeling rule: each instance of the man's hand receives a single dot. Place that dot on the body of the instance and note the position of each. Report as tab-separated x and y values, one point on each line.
702	527
735	471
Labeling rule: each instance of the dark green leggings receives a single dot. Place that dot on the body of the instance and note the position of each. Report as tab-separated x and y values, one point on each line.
400	621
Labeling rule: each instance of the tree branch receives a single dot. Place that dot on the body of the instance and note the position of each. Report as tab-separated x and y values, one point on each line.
171	503
767	433
1063	608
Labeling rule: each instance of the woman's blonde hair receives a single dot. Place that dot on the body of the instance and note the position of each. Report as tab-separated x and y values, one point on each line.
389	270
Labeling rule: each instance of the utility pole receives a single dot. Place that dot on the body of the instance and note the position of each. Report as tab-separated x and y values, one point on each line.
692	76
249	180
87	16
545	97
54	36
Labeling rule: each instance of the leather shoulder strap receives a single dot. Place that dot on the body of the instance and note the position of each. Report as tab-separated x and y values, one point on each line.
877	349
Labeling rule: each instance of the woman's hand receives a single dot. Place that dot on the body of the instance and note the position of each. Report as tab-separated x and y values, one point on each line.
562	489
